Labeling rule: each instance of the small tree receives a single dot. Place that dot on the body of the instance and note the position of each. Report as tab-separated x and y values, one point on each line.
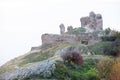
107	31
117	34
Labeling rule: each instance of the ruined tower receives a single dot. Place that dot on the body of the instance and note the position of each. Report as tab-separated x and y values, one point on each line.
93	21
62	29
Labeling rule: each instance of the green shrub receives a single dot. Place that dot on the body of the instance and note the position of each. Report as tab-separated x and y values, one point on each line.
108	38
117	42
99	47
105	48
107	31
87	65
88	70
60	71
91	74
117	34
110	49
74	75
77	31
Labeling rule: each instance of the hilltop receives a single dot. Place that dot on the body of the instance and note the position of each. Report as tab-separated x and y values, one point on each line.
70	55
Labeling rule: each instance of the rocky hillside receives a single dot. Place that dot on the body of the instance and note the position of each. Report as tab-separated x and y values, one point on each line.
78	54
40	63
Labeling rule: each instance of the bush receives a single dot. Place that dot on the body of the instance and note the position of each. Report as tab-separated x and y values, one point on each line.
74	74
117	34
106	48
107	31
117	42
104	67
110	49
115	73
72	57
76	31
92	74
60	71
88	70
99	47
109	69
108	38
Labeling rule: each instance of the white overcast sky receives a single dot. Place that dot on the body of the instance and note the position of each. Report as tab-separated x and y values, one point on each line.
23	21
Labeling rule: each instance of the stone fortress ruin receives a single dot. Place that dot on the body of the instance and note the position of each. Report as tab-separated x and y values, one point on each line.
93	21
90	23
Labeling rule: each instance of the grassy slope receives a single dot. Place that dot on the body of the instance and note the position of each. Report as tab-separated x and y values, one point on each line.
33	57
36	56
39	55
30	58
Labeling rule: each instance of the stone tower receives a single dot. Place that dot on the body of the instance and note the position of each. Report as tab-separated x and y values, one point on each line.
62	29
93	21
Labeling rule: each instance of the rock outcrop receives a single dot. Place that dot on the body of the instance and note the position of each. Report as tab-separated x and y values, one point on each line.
93	21
45	68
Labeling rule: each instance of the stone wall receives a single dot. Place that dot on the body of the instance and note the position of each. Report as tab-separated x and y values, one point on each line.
55	38
50	39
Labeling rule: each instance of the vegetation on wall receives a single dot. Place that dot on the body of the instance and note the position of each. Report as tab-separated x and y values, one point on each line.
76	31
